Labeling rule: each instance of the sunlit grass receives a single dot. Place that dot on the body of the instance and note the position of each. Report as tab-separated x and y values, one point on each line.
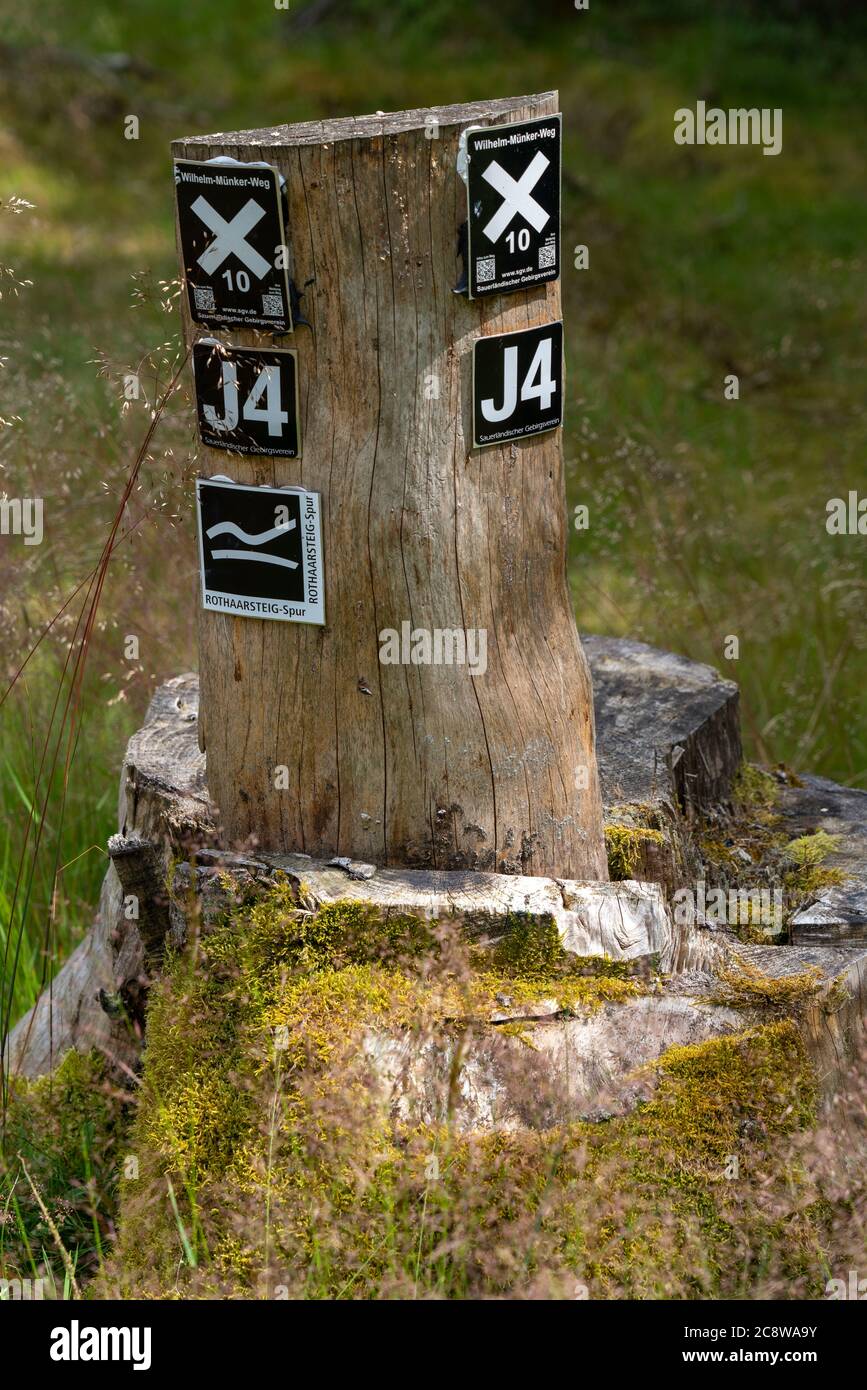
56	889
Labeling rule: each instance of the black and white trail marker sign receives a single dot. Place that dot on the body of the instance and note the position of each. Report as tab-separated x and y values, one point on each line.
517	384
233	244
513	191
247	399
260	550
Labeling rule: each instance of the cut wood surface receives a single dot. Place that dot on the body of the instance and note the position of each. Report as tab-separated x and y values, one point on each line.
668	729
415	765
619	920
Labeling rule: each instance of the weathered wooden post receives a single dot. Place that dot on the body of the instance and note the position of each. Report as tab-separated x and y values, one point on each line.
441	715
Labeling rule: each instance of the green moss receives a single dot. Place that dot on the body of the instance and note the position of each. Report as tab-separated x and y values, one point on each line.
625	844
256	1107
810	876
529	964
671	1165
753	850
707	1090
530	946
518	1030
754	827
717	852
280	936
742	985
267	1019
572	994
754	790
808	882
809	850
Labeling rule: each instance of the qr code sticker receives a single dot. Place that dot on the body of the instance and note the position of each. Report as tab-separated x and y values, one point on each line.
547	256
272	303
486	268
204	297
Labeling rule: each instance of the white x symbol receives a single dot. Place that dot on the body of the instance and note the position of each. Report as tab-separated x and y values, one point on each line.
516	195
229	237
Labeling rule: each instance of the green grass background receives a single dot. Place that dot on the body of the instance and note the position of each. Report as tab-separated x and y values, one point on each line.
707	516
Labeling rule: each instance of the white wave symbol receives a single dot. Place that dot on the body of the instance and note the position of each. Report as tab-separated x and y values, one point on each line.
229	528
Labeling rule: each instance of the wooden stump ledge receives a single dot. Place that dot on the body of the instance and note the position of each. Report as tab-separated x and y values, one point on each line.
164	811
578	1066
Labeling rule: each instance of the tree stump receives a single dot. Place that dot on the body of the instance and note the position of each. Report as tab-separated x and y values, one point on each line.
414	765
